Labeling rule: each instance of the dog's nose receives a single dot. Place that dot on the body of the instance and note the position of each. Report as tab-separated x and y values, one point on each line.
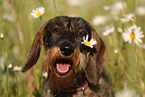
66	48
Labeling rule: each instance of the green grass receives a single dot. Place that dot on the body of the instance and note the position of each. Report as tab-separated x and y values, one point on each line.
126	68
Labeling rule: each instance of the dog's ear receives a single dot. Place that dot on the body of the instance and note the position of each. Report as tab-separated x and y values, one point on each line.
95	61
35	50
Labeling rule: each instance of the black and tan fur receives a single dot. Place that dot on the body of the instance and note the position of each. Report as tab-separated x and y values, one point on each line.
86	63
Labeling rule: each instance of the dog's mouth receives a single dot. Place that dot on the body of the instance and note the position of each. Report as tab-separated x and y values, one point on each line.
63	66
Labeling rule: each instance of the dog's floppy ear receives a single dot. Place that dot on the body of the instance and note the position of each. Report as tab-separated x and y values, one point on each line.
35	50
95	61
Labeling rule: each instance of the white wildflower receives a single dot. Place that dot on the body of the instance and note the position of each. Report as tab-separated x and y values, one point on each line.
127	18
108	31
127	93
16	68
1	36
142	46
8	17
77	2
100	19
117	7
45	75
10	65
115	51
88	43
140	10
133	33
107	8
38	12
119	30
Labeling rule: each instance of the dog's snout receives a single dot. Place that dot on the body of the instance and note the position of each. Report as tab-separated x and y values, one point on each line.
66	48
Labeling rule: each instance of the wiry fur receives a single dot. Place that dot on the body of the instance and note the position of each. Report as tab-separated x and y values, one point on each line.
51	56
86	63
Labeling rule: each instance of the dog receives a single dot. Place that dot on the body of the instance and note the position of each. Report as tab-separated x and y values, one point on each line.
74	68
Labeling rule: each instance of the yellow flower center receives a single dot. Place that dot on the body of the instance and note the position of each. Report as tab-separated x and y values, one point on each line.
111	32
128	19
16	69
132	35
87	43
39	14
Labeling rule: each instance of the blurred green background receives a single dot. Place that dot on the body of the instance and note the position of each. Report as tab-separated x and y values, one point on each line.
126	67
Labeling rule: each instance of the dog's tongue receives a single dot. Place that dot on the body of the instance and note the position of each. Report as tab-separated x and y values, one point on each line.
62	68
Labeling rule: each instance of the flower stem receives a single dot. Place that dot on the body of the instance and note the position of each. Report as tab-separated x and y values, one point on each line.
54	2
136	2
123	11
17	84
19	29
41	18
4	54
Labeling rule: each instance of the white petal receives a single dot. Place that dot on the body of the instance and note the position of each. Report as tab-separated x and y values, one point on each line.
106	33
138	29
136	42
141	36
125	36
91	46
123	20
112	29
34	11
139	33
87	37
138	39
130	41
84	38
93	41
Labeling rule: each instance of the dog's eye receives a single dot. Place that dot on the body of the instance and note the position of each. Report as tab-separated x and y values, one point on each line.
56	30
82	33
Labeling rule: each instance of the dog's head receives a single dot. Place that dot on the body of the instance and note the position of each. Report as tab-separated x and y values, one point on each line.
62	38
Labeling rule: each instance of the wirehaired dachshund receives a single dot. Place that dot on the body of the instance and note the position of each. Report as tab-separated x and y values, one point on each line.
74	55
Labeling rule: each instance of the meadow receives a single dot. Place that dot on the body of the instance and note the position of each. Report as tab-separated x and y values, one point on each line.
120	23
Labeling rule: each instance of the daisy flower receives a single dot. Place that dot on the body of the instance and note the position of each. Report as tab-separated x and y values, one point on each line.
8	17
90	43
10	65
142	46
100	20
16	68
45	75
115	51
117	7
74	2
77	2
127	93
133	33
119	30
108	31
2	36
107	8
127	18
140	10
38	12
